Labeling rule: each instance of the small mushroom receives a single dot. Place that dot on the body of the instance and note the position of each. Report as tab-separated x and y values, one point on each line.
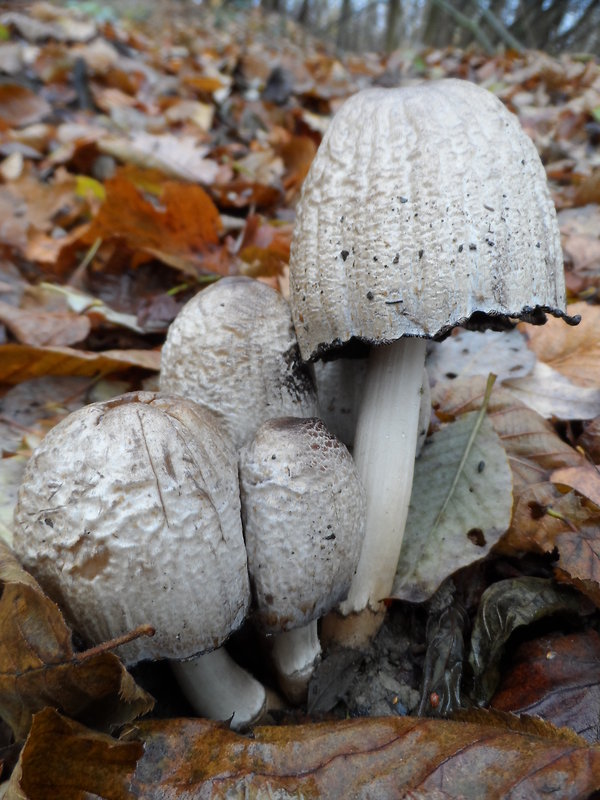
129	514
233	349
303	513
425	207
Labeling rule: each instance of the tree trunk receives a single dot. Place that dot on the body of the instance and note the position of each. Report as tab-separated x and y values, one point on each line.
392	25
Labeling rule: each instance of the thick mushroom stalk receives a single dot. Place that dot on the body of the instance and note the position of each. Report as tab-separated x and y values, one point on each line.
218	688
384	452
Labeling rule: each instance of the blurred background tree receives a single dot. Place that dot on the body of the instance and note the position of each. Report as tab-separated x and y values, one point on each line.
550	25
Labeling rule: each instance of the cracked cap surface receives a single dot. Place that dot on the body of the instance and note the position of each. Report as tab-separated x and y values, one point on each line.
129	514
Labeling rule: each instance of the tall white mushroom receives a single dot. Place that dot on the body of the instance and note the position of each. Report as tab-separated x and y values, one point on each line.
129	514
425	207
303	511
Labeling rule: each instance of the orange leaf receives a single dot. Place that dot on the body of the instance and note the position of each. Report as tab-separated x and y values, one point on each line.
573	351
21	362
183	231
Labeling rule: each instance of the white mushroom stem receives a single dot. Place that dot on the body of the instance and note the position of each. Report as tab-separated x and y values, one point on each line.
218	688
384	453
295	655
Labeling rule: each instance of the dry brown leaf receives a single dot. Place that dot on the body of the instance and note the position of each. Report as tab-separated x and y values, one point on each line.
265	247
62	759
38	667
573	351
585	479
38	327
178	157
362	758
488	755
21	362
532	445
20	106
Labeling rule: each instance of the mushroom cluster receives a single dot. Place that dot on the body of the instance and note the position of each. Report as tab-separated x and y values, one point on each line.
129	512
425	207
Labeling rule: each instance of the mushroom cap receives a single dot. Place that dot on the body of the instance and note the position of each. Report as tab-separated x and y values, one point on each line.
424	206
233	349
129	513
303	508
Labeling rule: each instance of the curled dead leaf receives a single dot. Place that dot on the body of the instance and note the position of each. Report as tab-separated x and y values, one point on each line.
38	667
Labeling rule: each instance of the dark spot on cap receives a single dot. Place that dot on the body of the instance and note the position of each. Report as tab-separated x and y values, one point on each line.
344	254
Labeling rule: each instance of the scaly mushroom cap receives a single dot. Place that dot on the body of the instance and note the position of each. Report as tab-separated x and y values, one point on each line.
233	349
129	513
424	206
303	511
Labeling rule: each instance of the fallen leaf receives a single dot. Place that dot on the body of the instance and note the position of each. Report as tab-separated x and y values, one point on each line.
468	353
504	607
39	668
552	394
584	479
579	229
364	758
556	678
19	363
11	473
178	157
534	450
456	520
573	351
181	231
361	758
20	106
265	247
39	328
63	759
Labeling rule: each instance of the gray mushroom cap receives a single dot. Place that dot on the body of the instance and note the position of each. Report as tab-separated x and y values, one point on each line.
233	349
128	514
303	511
423	207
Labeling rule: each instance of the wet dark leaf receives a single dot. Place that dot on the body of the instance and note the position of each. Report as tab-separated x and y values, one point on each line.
504	607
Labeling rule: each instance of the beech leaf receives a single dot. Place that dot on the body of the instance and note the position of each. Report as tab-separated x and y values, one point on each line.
19	363
482	755
38	667
456	520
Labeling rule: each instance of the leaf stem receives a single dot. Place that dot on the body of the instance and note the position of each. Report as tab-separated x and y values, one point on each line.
482	411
